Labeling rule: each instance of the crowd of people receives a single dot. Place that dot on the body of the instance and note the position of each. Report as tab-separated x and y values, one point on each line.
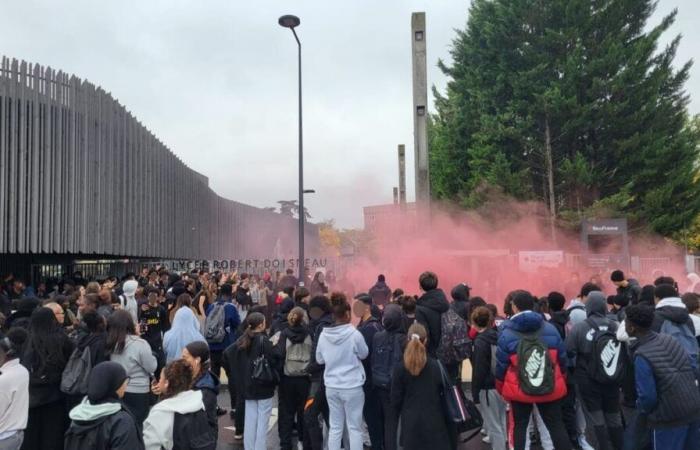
136	363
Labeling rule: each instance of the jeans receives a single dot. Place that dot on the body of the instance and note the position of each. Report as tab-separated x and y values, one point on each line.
257	419
493	410
13	442
345	406
551	415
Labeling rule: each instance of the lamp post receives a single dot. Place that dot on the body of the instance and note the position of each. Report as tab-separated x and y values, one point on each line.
292	22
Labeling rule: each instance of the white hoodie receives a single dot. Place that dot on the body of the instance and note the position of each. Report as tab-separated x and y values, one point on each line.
342	348
158	427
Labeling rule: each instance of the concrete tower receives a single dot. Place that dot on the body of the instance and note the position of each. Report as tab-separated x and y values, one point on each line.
420	107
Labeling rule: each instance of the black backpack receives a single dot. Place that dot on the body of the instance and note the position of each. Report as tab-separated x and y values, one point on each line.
386	356
192	431
535	369
607	362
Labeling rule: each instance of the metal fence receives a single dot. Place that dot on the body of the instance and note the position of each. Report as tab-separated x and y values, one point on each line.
79	174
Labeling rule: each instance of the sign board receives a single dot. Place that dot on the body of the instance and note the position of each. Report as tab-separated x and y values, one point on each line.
530	261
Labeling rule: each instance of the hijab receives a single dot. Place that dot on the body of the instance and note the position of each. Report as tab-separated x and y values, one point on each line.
105	378
185	329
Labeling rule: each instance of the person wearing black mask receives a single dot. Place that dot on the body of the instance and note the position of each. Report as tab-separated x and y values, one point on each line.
45	356
101	421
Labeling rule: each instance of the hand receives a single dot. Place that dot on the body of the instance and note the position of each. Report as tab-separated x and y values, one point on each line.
155	387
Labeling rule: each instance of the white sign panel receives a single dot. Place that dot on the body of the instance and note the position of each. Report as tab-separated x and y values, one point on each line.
531	261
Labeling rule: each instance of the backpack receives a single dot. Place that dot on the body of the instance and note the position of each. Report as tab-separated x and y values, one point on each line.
74	379
91	438
297	357
569	325
192	431
607	362
455	345
684	336
386	356
535	368
214	328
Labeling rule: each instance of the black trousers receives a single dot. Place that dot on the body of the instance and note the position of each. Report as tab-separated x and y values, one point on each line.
216	357
45	427
568	412
293	393
372	412
138	405
391	420
601	406
316	405
551	415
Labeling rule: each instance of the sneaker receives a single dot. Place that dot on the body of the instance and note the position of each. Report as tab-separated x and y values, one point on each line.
220	411
486	439
483	432
237	437
584	443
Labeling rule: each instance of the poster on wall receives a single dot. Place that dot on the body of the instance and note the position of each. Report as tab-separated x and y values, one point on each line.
531	261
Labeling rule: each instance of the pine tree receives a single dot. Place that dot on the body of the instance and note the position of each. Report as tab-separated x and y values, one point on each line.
569	102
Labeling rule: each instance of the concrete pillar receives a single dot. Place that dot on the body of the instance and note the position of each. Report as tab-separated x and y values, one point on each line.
420	107
402	174
396	195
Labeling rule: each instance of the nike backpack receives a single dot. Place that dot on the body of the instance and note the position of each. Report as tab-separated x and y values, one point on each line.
535	368
607	363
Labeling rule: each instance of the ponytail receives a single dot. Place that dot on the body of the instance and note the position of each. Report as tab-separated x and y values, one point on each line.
252	321
415	356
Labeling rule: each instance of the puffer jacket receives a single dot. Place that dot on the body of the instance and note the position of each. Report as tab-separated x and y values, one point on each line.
507	358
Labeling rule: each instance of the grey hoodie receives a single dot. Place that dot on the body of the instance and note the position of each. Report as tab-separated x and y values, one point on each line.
579	341
342	348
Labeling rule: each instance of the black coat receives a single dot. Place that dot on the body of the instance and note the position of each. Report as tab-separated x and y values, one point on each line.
45	383
118	431
209	385
368	329
417	400
315	328
429	309
97	343
482	378
240	363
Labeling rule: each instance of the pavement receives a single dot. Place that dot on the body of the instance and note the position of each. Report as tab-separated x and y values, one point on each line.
226	431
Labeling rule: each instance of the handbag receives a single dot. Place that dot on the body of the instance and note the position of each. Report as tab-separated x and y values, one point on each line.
263	372
459	411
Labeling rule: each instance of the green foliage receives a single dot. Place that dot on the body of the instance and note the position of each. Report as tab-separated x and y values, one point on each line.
587	72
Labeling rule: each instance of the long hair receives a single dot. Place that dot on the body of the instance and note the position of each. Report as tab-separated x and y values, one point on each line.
252	321
46	340
179	376
297	317
341	307
199	349
119	325
415	356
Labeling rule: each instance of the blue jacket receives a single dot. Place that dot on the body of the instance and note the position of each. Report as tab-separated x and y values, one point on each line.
231	322
525	322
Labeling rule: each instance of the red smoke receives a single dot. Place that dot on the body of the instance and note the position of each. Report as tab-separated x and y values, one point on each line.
481	249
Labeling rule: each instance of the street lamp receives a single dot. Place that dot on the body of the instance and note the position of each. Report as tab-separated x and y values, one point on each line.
292	22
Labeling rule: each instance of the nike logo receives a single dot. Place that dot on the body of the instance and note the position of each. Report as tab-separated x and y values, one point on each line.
609	357
535	368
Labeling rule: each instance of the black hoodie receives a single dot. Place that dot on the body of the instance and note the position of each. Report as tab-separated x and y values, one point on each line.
460	295
315	328
482	378
559	320
296	335
429	310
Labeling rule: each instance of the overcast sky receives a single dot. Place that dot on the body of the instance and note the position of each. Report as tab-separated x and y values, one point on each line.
216	82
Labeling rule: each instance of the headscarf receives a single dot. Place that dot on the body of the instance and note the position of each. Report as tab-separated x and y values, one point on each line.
105	378
185	329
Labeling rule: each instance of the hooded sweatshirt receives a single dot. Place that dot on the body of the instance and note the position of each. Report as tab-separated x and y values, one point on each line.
579	341
342	348
129	296
158	427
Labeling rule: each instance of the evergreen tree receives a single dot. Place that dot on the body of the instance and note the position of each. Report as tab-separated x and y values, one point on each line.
570	102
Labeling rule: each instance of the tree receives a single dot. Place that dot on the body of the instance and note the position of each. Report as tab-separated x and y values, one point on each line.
568	102
291	209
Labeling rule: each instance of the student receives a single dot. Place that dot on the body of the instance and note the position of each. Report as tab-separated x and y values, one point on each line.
599	391
127	300
220	334
160	430
14	392
387	354
153	323
258	393
321	317
628	289
493	408
196	355
134	354
45	356
523	383
667	391
380	293
416	392
101	417
368	327
342	348
293	347
408	306
93	337
429	309
185	330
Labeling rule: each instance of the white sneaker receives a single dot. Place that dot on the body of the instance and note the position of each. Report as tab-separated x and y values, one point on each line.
483	432
486	440
584	443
